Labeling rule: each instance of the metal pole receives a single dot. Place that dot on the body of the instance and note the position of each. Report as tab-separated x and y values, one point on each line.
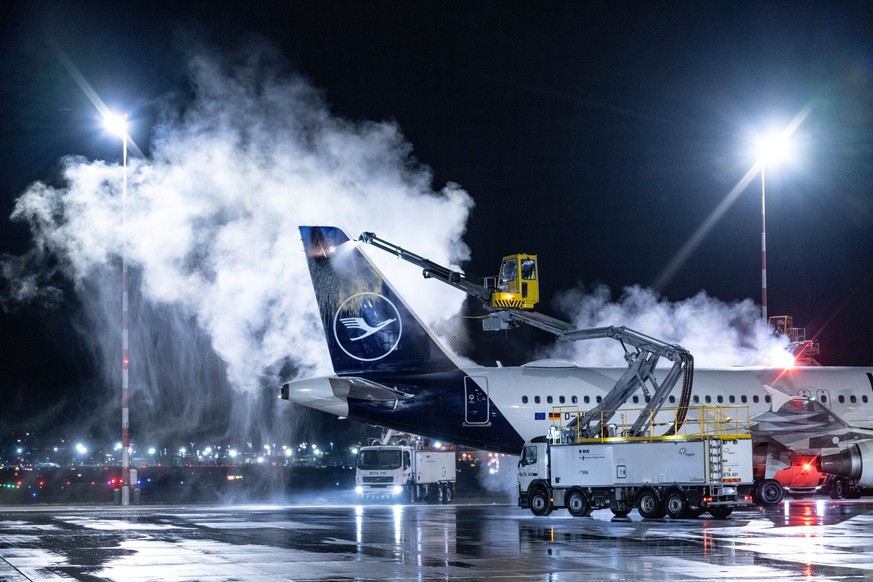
125	424
763	248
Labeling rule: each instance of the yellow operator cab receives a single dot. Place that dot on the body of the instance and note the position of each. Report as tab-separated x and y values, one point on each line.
518	285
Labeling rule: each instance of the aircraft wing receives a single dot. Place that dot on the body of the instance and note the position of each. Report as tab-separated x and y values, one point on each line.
802	424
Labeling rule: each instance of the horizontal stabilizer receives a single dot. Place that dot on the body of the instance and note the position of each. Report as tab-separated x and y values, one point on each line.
363	389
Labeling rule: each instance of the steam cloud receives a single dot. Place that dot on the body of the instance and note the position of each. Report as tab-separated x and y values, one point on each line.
717	333
211	235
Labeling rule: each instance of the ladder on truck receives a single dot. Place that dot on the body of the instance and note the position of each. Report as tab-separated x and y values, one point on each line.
716	465
641	359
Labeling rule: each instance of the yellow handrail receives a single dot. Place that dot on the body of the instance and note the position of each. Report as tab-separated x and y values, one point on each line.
725	422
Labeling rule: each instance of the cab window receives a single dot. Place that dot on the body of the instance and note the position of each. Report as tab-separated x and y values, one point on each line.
528	456
508	272
528	269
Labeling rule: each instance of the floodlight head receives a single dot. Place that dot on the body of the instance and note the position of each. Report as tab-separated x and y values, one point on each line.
117	124
774	147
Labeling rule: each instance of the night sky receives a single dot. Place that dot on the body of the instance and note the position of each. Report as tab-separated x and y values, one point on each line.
598	135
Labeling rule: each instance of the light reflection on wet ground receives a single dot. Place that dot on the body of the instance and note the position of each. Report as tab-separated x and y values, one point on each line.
799	540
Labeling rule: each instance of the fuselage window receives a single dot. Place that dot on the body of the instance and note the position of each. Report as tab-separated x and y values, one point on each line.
708	398
852	399
636	399
537	399
720	398
767	399
755	399
599	399
587	399
863	398
824	398
696	399
841	398
743	399
574	399
524	399
732	399
672	400
549	399
561	399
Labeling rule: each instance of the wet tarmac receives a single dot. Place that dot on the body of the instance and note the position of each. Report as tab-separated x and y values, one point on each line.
799	540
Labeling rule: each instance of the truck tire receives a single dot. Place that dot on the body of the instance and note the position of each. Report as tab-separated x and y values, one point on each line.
578	504
447	493
676	504
649	504
619	509
839	489
770	492
539	501
721	511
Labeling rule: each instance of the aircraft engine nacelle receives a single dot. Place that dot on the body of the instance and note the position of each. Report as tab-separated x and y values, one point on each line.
854	462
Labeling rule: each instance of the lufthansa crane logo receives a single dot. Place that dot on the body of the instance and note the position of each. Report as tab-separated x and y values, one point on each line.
367	327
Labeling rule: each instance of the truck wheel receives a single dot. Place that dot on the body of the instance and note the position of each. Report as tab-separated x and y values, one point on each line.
676	505
649	504
446	496
839	489
539	502
721	511
770	492
619	509
578	504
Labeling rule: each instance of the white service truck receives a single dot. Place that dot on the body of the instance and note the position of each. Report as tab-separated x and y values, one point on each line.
405	472
680	475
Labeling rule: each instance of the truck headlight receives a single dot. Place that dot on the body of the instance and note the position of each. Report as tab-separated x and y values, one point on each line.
397	489
359	490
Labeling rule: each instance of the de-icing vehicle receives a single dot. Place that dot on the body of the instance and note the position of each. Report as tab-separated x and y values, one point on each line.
705	466
405	468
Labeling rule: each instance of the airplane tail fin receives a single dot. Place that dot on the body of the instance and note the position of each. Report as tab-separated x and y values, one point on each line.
368	327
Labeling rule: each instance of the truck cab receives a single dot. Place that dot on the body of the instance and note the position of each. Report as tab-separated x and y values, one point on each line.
383	470
533	464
